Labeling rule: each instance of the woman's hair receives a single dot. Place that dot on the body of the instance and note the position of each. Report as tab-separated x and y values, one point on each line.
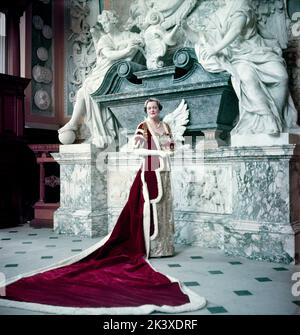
160	107
108	15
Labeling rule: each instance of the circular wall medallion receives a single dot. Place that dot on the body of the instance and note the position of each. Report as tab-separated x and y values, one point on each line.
47	32
42	99
42	74
36	73
42	53
37	22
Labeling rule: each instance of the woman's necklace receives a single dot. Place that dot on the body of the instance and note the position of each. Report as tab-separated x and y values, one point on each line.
157	125
154	124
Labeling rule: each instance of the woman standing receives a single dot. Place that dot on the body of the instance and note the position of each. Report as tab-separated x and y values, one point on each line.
154	140
114	276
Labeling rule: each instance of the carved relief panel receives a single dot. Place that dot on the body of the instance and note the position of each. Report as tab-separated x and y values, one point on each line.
80	17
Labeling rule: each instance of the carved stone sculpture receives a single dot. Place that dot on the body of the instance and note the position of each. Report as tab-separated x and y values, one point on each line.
79	10
158	22
156	39
231	41
112	46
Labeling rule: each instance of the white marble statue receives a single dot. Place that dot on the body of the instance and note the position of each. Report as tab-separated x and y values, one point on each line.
172	11
158	22
231	41
272	18
112	46
157	40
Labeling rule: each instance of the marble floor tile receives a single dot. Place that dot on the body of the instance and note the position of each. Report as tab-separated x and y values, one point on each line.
231	285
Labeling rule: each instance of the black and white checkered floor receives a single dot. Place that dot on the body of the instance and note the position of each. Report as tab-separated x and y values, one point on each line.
231	285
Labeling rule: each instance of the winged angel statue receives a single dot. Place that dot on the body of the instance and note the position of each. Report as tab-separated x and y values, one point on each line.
245	38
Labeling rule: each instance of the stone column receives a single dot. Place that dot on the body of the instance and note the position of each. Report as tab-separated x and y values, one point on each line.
83	193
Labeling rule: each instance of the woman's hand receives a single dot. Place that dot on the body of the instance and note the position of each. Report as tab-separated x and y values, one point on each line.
164	154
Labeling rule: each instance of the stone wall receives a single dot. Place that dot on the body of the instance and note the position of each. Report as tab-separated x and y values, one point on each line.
243	201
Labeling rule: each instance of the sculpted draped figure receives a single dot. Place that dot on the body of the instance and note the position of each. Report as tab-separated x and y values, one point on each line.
172	11
159	23
112	46
231	42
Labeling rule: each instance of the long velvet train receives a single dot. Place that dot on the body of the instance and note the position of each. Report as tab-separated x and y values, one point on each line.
116	278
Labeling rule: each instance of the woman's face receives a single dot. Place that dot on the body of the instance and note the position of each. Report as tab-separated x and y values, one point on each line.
153	110
107	25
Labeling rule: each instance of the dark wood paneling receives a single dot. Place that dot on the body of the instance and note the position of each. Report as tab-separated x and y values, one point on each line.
17	6
12	104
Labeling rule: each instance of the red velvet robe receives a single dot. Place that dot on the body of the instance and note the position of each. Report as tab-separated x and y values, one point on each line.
116	278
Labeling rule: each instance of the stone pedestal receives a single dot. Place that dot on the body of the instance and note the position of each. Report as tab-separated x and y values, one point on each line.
241	200
265	217
244	200
83	193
